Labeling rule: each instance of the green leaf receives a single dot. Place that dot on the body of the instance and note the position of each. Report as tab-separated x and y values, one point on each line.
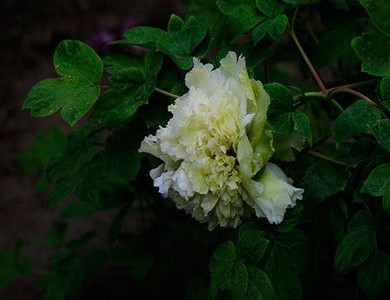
322	180
282	274
374	275
46	145
334	44
386	201
358	118
243	15
129	90
385	88
379	12
251	246
260	286
373	48
178	42
221	264
271	8
78	88
121	160
56	234
302	123
354	248
378	181
116	225
280	110
383	134
134	255
11	267
79	209
239	281
277	27
361	218
260	31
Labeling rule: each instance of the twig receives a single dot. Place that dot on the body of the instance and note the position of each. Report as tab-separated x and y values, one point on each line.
327	158
352	92
166	93
308	63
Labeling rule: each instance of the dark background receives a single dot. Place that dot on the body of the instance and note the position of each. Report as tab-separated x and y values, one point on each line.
29	33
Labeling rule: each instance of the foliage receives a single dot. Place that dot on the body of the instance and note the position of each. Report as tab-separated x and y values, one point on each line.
332	137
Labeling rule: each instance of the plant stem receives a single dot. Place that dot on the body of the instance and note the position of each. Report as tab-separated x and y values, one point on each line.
348	90
318	95
327	158
308	63
165	93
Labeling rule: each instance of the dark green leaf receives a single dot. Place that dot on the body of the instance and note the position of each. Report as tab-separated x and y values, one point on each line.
239	281
277	27
281	108
11	267
322	180
383	134
260	31
221	264
378	181
121	160
46	145
374	275
260	286
271	8
78	88
56	234
334	44
251	246
243	15
93	262
373	48
116	225
379	12
130	89
355	248
361	218
282	274
359	117
302	123
385	88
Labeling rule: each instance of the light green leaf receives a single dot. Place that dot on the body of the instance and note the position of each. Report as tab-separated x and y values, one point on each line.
359	117
78	88
373	48
378	181
379	12
355	248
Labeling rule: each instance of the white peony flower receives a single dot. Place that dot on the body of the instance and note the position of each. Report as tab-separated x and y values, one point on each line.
213	146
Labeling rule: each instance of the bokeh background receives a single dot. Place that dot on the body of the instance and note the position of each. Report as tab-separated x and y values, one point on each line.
29	33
